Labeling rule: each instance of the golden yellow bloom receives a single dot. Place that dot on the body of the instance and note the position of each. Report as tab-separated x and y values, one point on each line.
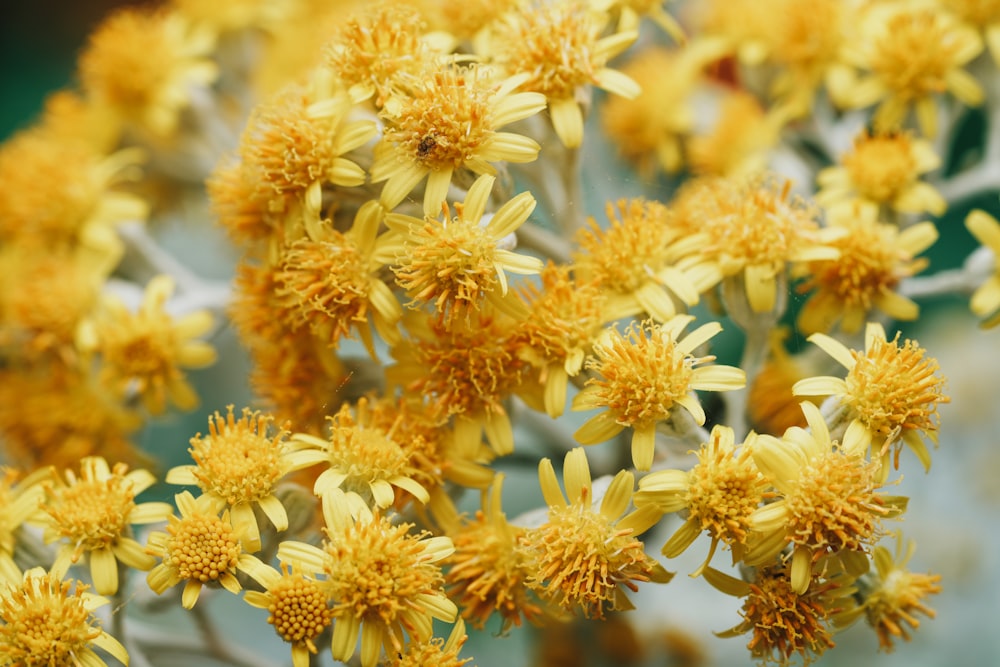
469	21
642	263
979	15
384	581
433	652
234	15
46	621
466	370
363	455
559	47
738	140
198	548
884	169
69	117
828	505
19	503
239	466
565	315
64	193
911	51
874	258
145	351
331	281
457	262
643	375
490	567
118	70
720	493
449	121
897	595
986	299
295	143
588	555
631	11
93	514
232	194
892	392
754	231
297	606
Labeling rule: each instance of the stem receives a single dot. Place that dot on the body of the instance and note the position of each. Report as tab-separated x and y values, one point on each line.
943	283
571	216
549	245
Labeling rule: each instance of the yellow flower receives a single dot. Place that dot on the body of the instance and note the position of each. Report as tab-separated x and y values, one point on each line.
238	467
490	567
892	392
986	299
331	281
771	404
19	503
93	514
565	315
912	51
720	493
146	350
874	258
363	454
897	595
828	505
447	121
45	621
297	605
739	139
456	262
435	651
979	15
631	11
117	68
643	375
384	582
884	169
559	47
641	261
198	548
587	555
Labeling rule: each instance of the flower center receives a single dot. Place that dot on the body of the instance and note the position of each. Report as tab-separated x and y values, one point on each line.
44	624
237	461
202	548
299	611
723	493
881	166
915	52
92	514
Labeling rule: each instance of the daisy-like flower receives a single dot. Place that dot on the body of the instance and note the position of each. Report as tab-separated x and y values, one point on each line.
559	47
19	503
383	580
981	15
642	263
911	51
146	350
456	262
92	514
892	391
753	231
449	120
490	567
897	595
297	605
565	317
829	504
587	556
116	68
986	299
294	144
875	257
466	370
330	280
643	375
198	548
737	141
884	169
720	493
238	466
364	456
46	621
436	651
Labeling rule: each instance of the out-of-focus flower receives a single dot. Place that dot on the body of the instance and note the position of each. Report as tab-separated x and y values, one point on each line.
979	15
737	141
986	299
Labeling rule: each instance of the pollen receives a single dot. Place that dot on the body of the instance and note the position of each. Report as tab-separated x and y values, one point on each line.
298	611
237	461
202	547
91	513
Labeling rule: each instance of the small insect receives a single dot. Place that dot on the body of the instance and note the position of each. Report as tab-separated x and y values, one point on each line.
426	145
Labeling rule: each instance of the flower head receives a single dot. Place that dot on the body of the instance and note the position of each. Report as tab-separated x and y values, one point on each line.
93	514
643	375
587	556
434	651
891	390
238	465
979	15
198	548
45	621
